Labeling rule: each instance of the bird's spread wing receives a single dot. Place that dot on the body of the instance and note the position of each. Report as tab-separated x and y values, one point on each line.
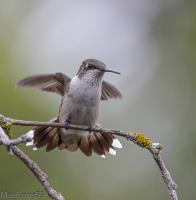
109	91
47	82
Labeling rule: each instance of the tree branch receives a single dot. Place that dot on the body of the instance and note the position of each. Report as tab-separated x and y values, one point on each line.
39	174
137	138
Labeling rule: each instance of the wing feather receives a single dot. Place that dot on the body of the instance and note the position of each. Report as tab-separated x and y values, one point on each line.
109	91
47	82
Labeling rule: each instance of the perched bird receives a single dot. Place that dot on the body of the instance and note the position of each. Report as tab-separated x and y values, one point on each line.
79	105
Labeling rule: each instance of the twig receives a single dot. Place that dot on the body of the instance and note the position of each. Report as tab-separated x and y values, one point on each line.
40	175
137	138
171	185
10	142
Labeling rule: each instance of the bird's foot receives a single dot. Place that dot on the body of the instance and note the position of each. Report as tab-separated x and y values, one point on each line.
90	128
66	124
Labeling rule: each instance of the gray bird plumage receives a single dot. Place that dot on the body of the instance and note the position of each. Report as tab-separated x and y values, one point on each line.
80	105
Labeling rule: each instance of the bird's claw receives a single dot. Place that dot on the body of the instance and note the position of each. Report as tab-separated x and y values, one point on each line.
90	129
66	125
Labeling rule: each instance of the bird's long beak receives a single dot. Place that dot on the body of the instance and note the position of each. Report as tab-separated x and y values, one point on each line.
107	70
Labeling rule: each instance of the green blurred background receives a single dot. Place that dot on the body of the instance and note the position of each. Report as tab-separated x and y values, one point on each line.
153	44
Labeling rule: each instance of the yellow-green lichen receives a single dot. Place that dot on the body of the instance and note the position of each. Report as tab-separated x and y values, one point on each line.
7	126
142	140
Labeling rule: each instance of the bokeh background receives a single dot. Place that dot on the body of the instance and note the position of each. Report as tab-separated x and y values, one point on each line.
153	44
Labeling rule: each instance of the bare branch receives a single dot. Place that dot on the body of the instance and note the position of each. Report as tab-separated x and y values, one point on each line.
171	185
137	138
40	175
22	139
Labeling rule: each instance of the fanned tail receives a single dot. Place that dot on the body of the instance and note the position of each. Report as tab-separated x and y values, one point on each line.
99	143
45	136
95	142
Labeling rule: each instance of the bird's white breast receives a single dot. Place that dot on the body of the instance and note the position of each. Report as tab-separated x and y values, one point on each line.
81	103
83	91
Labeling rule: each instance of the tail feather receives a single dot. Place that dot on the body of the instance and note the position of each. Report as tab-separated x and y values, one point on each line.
45	136
104	143
61	146
98	143
72	147
54	142
85	146
108	137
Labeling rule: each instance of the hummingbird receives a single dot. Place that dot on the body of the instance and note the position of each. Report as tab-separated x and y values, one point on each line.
80	98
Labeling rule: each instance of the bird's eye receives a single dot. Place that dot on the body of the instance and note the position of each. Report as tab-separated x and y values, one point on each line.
89	66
